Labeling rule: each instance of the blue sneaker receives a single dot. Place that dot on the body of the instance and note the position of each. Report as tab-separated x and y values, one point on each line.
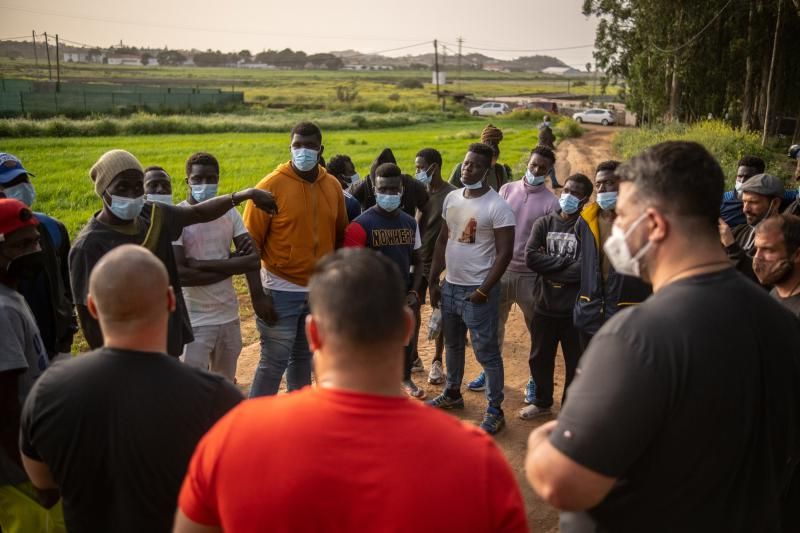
530	392
478	384
493	420
443	401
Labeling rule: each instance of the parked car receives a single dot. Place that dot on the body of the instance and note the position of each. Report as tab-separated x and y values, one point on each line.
595	116
489	109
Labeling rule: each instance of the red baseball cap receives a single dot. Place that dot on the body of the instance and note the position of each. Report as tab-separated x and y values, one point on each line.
13	216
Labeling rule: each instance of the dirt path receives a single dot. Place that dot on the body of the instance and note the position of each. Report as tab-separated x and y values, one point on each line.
574	155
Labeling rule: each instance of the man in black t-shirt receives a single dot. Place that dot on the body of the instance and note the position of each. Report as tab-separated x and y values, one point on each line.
777	260
675	420
126	218
114	429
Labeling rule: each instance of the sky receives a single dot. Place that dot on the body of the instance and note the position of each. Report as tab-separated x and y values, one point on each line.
523	27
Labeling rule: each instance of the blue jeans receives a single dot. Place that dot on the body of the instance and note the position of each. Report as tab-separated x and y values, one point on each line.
284	347
460	315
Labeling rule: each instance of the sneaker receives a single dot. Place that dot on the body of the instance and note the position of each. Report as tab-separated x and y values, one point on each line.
493	420
413	391
534	411
417	366
436	375
530	392
478	384
443	401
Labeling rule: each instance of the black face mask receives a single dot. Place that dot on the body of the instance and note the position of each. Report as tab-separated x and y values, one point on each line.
26	266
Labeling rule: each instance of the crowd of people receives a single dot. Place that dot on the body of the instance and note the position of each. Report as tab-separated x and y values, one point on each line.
678	319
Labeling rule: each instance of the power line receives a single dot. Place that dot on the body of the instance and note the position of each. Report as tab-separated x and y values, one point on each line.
697	35
13	38
524	50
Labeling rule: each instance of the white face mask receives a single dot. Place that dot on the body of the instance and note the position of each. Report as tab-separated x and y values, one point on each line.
162	198
619	254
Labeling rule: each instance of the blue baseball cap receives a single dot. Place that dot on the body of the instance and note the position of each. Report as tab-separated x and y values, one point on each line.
10	168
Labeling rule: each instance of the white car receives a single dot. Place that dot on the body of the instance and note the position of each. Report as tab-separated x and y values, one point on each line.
489	109
595	116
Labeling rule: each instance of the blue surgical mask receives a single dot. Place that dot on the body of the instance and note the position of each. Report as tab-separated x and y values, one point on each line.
304	158
126	208
354	178
203	192
422	177
388	202
162	198
607	200
530	179
569	204
23	192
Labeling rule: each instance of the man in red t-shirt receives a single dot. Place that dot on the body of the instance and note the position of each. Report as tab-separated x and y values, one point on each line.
354	453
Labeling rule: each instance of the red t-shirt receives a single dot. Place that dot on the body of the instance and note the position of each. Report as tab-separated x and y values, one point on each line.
331	460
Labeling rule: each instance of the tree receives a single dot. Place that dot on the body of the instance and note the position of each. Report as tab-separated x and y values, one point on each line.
245	56
170	57
145	59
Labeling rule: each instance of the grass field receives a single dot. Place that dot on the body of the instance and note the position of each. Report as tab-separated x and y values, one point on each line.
65	191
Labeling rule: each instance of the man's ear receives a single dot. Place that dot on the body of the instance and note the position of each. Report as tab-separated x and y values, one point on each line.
171	299
659	225
91	306
321	149
313	334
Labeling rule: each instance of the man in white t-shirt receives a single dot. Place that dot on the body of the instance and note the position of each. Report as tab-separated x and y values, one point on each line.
476	244
205	265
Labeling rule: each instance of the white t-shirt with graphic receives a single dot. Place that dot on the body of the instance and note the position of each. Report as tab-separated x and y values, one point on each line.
471	222
215	304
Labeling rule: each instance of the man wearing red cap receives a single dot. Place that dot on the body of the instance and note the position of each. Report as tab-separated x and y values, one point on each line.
22	354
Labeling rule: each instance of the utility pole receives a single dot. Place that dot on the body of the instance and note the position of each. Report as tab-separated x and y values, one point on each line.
436	65
35	53
768	106
58	67
460	40
49	66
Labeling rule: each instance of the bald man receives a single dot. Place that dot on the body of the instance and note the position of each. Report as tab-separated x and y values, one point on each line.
114	429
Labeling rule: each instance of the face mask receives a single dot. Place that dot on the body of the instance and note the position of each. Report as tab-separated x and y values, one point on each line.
354	178
163	198
388	202
203	192
478	184
569	204
738	186
304	158
619	254
126	208
771	272
530	179
607	200
423	177
23	192
26	266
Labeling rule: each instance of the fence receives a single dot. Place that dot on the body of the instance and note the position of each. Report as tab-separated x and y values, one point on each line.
19	97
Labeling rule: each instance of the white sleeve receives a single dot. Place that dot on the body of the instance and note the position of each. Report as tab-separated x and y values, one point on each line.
502	215
179	241
417	239
238	223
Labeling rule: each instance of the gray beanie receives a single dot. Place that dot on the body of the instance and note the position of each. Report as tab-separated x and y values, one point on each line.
109	166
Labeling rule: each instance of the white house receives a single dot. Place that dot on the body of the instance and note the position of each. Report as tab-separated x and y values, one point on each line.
561	71
125	59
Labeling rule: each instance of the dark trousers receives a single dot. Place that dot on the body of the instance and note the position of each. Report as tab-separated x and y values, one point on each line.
547	333
411	349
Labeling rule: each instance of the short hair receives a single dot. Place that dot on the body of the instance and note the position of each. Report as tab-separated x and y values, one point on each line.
680	177
201	158
338	164
307	129
584	182
608	166
544	151
431	155
388	170
753	162
789	226
482	149
374	315
155	168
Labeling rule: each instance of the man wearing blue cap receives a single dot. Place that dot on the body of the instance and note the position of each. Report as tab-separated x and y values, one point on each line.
48	294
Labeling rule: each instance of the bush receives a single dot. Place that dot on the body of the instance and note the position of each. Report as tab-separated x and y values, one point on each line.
727	144
394	97
566	128
410	83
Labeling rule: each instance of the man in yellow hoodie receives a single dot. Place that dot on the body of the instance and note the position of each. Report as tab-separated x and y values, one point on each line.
309	224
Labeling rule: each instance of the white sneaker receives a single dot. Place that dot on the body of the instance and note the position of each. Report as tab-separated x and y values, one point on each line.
413	391
436	375
530	412
417	366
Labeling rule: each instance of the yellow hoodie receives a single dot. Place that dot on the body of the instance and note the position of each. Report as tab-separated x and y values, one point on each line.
309	224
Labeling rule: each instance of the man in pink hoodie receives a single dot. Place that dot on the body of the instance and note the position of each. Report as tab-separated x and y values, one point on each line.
530	199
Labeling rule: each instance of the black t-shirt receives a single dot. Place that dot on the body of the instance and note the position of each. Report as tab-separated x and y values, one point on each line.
792	303
690	400
117	429
414	198
156	228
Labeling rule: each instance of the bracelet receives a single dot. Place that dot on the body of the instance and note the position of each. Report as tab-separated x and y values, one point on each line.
233	202
479	291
